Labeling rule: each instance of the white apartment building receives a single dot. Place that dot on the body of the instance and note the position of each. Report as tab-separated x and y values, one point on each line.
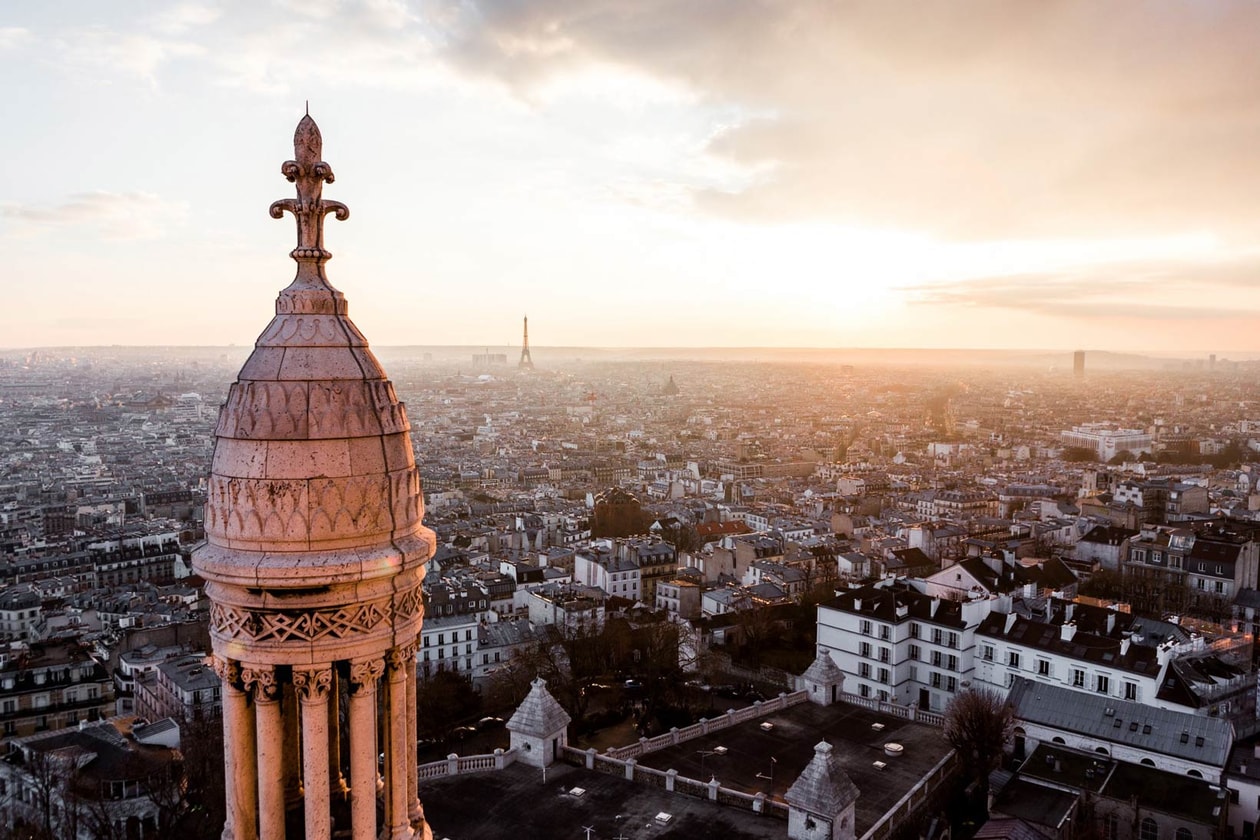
1107	439
897	644
619	577
448	643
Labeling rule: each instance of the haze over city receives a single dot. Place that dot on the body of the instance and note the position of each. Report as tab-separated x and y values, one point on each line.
982	175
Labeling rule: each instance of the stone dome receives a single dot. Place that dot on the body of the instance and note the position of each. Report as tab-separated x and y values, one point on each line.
313	464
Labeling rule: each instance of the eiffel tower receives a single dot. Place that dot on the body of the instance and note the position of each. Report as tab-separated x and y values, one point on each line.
526	362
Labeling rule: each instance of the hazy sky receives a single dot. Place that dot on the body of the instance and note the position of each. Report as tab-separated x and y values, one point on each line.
642	172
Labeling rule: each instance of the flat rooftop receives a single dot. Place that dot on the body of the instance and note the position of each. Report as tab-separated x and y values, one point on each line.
517	803
790	743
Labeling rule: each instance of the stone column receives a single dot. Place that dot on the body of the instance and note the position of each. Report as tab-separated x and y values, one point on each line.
336	781
363	677
240	788
414	809
313	687
398	797
270	752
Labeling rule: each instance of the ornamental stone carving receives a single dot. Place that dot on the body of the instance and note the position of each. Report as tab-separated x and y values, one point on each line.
261	679
366	672
228	670
306	625
310	174
312	683
399	656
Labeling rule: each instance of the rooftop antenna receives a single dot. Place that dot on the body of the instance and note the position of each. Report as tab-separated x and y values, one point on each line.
588	829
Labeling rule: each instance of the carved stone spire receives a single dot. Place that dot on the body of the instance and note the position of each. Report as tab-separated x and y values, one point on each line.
309	172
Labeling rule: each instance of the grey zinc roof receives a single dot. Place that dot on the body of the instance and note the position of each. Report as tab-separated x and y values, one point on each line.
823	787
539	715
1195	737
823	671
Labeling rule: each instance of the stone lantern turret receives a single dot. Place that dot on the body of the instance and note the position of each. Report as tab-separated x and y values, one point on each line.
313	560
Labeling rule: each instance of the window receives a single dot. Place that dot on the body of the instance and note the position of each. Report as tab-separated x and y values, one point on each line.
864	670
914	630
1078	678
951	684
986	653
864	690
1184	834
884	632
441	638
914	652
936	680
883	654
951	662
953	640
1148	830
1103	684
1111	827
1012	659
864	649
883	675
1043	667
937	657
938	636
1130	691
866	627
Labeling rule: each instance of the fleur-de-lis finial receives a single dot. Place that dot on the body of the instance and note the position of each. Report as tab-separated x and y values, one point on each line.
310	174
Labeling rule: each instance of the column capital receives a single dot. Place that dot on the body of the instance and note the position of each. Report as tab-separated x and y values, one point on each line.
262	679
366	672
228	670
398	657
312	684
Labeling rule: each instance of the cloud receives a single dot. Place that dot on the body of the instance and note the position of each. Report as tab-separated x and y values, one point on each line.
13	36
1144	291
183	17
114	216
101	52
978	119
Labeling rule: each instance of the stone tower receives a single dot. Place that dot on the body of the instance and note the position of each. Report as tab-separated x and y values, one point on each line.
539	728
823	799
313	560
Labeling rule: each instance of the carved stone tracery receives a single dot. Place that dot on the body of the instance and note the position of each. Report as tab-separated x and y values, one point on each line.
310	625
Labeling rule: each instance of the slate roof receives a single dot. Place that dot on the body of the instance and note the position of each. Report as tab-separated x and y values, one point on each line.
882	602
823	787
823	670
539	715
1169	732
1083	646
1108	535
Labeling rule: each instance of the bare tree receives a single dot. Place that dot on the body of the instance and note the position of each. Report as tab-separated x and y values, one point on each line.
978	723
